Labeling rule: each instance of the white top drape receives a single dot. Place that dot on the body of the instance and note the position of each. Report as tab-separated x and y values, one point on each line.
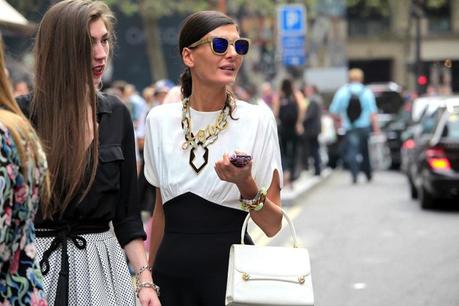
167	164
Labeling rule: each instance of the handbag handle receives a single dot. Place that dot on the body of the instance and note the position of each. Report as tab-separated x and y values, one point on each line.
284	214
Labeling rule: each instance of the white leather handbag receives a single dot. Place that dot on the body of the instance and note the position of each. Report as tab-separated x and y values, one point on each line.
269	275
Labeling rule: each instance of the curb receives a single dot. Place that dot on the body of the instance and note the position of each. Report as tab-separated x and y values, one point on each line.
303	184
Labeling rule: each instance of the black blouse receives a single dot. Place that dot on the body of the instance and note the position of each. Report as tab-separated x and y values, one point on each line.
113	195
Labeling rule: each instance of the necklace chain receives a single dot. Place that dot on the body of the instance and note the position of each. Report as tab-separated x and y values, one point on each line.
205	136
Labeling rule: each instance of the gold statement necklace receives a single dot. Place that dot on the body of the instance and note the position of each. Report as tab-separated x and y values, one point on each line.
205	136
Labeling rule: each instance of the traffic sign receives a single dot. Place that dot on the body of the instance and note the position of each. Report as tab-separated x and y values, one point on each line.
291	19
292	31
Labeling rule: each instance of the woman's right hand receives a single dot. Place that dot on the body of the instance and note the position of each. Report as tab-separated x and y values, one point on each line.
148	297
226	171
241	176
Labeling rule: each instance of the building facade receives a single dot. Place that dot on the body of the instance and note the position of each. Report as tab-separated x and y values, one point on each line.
383	44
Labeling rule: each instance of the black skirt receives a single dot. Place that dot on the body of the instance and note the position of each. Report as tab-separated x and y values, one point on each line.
191	265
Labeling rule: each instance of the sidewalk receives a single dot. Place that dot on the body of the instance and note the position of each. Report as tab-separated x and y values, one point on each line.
305	182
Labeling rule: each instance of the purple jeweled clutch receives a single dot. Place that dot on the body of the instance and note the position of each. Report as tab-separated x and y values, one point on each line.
240	159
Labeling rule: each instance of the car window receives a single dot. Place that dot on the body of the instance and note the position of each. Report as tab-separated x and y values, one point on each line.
429	121
451	129
389	102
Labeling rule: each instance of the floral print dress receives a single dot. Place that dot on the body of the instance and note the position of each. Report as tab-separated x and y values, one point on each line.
21	282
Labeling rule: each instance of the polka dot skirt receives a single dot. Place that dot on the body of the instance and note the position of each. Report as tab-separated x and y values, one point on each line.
99	274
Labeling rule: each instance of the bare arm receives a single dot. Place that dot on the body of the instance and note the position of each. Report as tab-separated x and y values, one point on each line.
136	254
157	228
269	218
374	123
299	98
276	106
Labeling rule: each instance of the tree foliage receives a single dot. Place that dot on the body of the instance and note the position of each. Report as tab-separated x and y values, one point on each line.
157	9
160	8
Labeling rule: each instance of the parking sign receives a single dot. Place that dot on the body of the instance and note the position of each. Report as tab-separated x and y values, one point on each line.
291	20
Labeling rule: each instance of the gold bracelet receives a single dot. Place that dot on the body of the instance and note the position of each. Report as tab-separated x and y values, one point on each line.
143	269
256	203
152	285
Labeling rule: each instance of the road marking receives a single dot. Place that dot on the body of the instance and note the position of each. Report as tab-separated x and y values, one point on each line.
359	286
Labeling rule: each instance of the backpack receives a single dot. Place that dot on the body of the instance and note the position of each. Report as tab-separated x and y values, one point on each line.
288	112
354	107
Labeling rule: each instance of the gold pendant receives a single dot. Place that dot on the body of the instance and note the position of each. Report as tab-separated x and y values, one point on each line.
192	157
201	136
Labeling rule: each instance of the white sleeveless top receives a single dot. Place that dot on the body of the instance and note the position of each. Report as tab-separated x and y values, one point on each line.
167	164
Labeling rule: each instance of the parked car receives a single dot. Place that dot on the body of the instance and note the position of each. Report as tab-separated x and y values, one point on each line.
389	101
419	110
414	136
433	168
421	113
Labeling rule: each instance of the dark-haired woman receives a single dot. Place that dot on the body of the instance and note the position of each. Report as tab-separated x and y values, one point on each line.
289	108
89	141
24	183
202	198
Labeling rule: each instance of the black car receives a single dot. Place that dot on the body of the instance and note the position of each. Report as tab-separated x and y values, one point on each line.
423	112
434	171
415	134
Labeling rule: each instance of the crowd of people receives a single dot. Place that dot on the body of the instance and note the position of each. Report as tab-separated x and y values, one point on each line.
80	162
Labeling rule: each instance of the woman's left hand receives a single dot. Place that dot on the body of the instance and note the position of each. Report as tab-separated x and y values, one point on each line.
148	297
226	171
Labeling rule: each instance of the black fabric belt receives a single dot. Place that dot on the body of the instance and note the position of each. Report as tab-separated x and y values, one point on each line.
61	235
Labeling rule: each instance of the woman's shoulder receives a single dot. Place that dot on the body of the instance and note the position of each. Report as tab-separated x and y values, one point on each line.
4	133
108	101
111	104
9	153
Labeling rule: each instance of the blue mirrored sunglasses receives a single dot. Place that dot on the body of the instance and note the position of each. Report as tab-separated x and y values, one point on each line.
219	45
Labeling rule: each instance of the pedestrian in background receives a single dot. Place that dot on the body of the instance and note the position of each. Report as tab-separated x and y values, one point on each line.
312	125
24	183
289	109
161	89
267	94
89	141
202	199
358	130
20	88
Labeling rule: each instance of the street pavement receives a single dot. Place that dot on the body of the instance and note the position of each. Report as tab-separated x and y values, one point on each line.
370	244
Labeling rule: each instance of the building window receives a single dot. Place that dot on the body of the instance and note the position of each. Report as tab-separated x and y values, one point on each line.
366	18
438	13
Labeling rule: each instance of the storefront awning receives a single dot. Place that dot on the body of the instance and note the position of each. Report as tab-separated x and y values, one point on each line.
11	19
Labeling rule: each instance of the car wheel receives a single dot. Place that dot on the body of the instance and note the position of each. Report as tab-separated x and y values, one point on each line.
413	190
426	198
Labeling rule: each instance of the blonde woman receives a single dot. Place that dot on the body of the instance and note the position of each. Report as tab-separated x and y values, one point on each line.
24	182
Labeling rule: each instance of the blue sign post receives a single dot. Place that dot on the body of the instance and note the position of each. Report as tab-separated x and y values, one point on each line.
292	32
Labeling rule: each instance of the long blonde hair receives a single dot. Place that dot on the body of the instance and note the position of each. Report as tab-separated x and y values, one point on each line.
63	87
27	142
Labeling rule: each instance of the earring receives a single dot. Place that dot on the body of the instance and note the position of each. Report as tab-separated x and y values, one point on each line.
99	88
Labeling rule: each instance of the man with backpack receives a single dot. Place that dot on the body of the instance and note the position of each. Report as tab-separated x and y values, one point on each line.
354	106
